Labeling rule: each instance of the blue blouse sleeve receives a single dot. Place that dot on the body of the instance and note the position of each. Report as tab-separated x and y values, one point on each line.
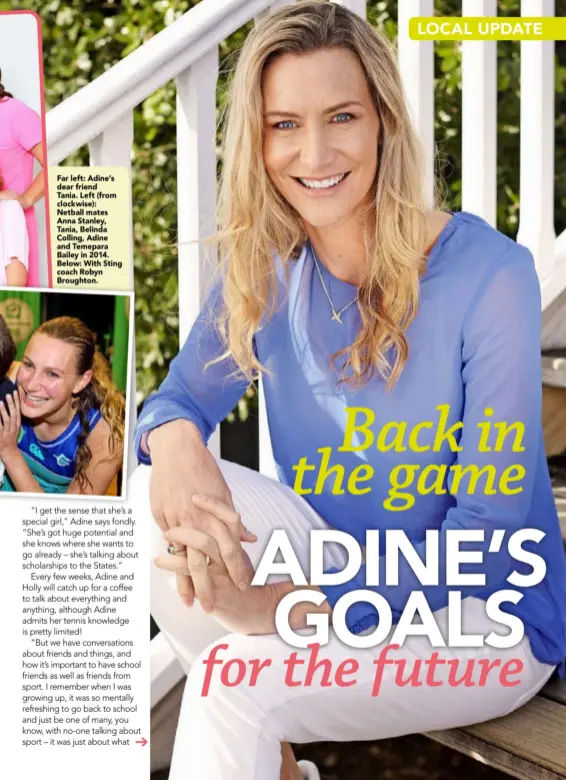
501	370
191	391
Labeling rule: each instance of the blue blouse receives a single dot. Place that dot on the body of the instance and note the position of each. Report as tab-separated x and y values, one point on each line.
473	346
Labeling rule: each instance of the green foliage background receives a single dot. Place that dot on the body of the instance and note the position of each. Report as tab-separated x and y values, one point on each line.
83	38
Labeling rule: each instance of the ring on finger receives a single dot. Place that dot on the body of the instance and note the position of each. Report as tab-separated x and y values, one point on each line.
175	549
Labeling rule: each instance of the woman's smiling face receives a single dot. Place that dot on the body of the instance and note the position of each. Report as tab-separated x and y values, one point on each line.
47	377
321	134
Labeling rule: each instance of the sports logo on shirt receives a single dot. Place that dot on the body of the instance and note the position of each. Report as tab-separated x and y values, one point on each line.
36	452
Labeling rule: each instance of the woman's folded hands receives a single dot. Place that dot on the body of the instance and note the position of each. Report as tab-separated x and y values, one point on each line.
183	467
220	569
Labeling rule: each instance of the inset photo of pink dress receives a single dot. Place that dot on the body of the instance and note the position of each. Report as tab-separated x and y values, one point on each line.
20	132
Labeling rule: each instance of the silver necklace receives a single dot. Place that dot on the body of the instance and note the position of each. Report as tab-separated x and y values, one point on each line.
336	313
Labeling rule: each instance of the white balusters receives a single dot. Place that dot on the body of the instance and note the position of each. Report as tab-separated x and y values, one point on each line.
536	225
358	6
416	63
114	147
159	60
266	460
196	188
555	284
189	53
561	249
479	119
196	182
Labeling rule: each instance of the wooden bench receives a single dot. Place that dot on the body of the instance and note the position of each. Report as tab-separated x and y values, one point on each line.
529	744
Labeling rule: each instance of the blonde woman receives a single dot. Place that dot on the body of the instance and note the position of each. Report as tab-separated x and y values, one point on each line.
343	291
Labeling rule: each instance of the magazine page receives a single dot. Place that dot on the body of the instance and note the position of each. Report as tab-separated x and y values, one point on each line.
77	656
283	388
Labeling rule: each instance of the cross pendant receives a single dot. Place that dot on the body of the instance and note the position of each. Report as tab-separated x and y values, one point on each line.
336	316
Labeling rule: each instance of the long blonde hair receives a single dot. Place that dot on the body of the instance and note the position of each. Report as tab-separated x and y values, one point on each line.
100	393
256	220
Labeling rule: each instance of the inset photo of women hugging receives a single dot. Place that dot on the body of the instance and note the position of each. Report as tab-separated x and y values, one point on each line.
23	244
63	383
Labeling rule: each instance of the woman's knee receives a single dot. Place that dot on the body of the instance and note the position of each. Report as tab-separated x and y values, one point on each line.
238	674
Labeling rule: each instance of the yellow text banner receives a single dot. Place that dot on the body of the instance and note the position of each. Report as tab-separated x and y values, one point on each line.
487	28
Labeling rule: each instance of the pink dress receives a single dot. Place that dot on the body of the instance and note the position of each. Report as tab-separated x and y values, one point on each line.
20	131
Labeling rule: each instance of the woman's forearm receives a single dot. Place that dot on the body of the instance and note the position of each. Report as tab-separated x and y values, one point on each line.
34	192
165	438
19	472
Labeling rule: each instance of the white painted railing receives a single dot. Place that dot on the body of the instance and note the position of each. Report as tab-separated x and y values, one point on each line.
479	118
416	63
536	227
101	115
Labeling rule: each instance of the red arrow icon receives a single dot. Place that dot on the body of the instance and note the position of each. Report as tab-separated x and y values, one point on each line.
142	741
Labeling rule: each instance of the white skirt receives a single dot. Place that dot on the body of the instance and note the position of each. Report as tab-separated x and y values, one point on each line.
14	242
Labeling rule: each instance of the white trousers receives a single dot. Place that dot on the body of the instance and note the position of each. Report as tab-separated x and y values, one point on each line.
234	733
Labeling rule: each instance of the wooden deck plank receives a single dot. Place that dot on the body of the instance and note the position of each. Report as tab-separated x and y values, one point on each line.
534	732
529	743
492	756
556	690
164	718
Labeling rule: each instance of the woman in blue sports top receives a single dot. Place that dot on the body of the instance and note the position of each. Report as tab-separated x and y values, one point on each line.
63	430
348	295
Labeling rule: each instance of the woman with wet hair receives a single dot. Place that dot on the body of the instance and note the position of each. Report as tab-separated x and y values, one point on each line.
21	145
63	432
346	294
